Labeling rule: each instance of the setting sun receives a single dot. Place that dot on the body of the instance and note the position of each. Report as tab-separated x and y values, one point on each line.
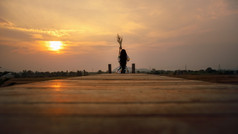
55	45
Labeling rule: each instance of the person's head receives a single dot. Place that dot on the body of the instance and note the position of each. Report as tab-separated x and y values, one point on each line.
123	52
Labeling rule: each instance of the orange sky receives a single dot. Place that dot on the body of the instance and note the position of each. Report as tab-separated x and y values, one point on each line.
165	34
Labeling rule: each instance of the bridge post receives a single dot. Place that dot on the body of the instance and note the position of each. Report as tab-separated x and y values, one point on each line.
133	68
109	68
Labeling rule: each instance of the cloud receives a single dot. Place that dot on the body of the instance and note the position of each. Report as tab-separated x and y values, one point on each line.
233	4
9	25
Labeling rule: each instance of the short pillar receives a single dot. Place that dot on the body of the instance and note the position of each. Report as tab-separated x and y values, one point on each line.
109	68
133	68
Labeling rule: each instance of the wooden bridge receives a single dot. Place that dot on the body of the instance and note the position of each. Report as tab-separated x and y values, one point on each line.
119	104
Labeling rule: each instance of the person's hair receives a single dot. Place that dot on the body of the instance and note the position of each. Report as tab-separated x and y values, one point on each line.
123	57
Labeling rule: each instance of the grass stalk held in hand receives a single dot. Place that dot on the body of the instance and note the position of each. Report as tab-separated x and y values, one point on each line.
119	40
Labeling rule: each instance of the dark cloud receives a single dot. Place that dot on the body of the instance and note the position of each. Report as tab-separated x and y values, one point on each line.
3	21
233	4
11	34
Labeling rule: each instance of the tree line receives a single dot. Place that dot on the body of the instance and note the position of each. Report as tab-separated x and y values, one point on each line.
209	70
33	74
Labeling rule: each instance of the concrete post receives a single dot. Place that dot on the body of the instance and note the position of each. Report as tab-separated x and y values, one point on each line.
109	68
133	68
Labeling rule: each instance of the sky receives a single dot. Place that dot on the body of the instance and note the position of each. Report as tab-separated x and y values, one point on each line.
159	34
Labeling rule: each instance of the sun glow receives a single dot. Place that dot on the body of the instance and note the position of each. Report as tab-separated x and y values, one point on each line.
55	46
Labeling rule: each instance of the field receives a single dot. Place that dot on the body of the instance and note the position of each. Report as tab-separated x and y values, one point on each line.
226	79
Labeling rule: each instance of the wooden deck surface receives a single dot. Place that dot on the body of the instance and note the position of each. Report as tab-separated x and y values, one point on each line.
119	104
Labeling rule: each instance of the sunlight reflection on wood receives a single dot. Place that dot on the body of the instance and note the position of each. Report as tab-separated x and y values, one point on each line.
56	86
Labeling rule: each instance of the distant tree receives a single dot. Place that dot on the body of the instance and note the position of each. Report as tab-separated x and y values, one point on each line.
210	70
85	73
100	72
153	70
79	73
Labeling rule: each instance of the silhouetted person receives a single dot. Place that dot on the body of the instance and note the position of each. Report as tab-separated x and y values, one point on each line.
123	58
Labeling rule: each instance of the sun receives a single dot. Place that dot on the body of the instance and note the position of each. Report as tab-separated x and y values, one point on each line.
55	45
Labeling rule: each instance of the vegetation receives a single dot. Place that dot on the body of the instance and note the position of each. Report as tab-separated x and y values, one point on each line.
27	76
209	74
209	70
31	74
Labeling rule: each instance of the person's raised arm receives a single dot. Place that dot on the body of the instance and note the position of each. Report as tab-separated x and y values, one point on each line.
119	40
120	50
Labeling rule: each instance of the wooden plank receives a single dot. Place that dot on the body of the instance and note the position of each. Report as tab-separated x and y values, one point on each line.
119	103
